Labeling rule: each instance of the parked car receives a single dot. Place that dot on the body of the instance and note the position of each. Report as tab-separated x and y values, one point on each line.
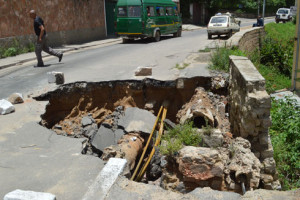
222	24
283	14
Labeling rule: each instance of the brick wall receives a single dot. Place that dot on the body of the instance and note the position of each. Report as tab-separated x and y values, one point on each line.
66	21
250	106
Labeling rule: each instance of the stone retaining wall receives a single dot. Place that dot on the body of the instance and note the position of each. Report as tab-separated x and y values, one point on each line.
66	21
250	114
247	40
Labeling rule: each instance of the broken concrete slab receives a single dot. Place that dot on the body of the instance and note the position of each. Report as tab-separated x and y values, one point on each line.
28	195
87	120
35	158
16	98
105	179
143	71
103	138
56	77
208	193
6	107
137	120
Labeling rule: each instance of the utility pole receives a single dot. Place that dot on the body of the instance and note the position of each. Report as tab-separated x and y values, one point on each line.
263	14
258	7
296	63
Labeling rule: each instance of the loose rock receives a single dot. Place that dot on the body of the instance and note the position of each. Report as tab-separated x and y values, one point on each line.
6	107
16	98
28	195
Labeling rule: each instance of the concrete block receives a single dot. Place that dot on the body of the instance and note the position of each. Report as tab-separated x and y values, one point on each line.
6	107
137	120
106	178
16	98
143	71
56	77
103	138
28	195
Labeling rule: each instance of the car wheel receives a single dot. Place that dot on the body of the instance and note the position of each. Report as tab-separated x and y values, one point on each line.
157	36
125	40
229	34
208	36
179	32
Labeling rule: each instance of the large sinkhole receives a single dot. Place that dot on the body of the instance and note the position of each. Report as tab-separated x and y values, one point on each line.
116	118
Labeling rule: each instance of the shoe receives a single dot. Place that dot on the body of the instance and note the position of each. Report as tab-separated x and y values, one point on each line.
60	57
40	65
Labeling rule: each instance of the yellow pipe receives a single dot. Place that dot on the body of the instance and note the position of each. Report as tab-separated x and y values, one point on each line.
147	144
142	172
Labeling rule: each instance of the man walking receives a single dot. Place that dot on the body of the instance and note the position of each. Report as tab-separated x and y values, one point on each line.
41	43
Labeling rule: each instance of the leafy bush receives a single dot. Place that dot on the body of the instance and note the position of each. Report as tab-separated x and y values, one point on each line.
220	58
278	54
285	136
16	49
277	48
12	51
181	135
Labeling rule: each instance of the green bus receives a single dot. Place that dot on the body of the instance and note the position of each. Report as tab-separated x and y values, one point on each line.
147	19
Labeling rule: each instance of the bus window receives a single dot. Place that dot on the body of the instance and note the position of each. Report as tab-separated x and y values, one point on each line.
134	11
150	11
175	11
161	11
169	11
122	12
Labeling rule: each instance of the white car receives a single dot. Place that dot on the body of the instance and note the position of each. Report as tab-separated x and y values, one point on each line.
222	24
283	14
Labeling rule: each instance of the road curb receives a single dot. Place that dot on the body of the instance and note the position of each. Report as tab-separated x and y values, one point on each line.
64	51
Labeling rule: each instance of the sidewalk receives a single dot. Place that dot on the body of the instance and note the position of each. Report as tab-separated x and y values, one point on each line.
19	59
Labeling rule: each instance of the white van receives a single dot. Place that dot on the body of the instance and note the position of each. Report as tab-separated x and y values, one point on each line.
283	14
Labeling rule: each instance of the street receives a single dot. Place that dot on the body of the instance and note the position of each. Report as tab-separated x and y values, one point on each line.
116	61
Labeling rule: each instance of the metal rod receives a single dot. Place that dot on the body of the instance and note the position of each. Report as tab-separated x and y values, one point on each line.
161	129
146	147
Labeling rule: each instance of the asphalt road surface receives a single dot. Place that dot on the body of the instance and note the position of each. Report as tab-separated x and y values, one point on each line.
110	62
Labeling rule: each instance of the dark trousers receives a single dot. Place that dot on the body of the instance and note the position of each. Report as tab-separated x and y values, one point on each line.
43	46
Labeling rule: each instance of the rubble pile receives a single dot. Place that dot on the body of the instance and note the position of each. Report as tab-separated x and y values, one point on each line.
119	123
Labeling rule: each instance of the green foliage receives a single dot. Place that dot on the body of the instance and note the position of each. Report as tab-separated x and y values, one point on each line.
274	79
15	49
285	136
205	50
277	48
181	135
220	58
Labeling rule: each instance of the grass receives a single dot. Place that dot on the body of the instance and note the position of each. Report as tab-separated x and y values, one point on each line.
181	66
204	50
15	49
220	58
274	79
281	32
174	140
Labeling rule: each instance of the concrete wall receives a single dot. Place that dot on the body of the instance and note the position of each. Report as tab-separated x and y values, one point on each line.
250	113
66	21
247	40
